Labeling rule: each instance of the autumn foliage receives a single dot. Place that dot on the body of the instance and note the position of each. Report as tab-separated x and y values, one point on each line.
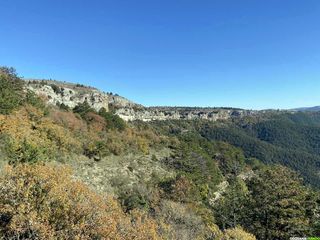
45	202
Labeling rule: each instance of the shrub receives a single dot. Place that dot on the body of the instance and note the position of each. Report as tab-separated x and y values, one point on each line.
183	223
57	89
113	121
29	129
24	152
83	108
95	150
143	145
11	90
34	100
137	196
62	106
68	120
237	234
44	202
95	122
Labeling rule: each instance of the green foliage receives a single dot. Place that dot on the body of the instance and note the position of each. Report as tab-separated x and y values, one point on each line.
135	201
83	108
95	150
231	159
278	205
273	204
294	145
57	89
62	106
12	94
113	121
32	99
195	159
24	152
11	90
206	173
229	210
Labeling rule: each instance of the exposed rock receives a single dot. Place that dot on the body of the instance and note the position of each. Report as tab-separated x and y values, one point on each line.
178	113
70	95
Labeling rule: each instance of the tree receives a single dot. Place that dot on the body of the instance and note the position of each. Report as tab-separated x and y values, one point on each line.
112	121
277	207
11	90
83	108
230	207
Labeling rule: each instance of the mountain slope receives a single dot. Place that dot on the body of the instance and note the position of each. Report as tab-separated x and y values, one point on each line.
308	109
82	172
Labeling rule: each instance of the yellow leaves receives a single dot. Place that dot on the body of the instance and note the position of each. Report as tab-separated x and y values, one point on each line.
237	234
145	228
28	125
143	145
44	199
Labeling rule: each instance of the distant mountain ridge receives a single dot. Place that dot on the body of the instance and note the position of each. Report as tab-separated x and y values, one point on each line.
308	109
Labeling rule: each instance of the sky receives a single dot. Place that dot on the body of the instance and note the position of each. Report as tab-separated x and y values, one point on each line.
253	54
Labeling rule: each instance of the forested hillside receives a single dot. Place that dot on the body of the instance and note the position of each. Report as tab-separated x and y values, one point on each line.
84	173
292	140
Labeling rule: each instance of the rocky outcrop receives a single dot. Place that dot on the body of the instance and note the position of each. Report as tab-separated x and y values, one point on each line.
70	95
177	113
57	93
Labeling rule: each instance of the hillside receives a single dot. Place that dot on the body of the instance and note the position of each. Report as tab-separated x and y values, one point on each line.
74	167
308	109
289	139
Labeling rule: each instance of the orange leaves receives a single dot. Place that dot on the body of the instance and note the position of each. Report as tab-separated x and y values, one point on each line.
45	202
145	228
29	126
68	120
237	233
96	123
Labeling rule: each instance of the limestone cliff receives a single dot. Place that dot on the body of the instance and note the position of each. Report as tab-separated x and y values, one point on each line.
176	113
57	93
70	95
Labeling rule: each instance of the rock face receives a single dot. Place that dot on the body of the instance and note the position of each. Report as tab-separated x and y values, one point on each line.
57	93
70	95
180	113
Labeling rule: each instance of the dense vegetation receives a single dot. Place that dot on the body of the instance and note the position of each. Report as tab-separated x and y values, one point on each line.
86	174
288	139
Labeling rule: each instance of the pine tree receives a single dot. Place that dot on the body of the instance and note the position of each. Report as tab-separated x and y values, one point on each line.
277	208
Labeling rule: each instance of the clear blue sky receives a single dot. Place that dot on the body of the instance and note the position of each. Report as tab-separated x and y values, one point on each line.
241	53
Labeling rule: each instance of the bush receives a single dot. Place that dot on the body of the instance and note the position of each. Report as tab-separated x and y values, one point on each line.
24	152
183	223
44	202
34	100
83	108
31	134
57	89
237	234
11	90
68	120
113	121
95	150
62	106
